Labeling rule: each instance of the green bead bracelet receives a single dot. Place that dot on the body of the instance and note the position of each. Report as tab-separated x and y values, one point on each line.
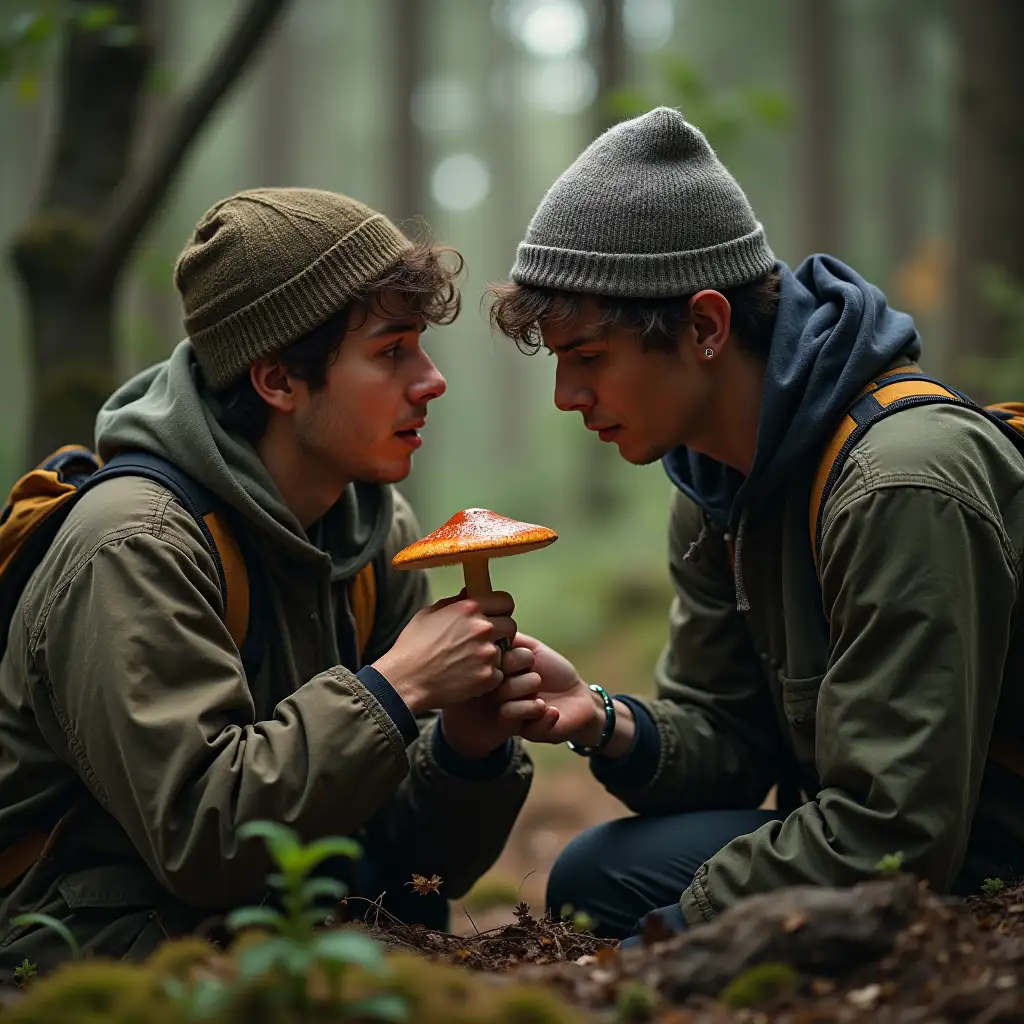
609	726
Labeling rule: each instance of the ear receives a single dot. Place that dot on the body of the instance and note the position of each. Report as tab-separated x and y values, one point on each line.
712	321
272	382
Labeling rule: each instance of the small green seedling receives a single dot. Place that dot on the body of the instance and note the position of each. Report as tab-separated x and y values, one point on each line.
890	864
295	945
25	971
992	886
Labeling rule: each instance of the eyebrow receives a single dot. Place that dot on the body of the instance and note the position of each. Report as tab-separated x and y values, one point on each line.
390	327
583	339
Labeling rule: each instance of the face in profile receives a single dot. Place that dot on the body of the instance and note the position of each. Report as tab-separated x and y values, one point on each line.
646	402
365	421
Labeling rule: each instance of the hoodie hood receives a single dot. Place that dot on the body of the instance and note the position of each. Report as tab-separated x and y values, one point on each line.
834	333
168	410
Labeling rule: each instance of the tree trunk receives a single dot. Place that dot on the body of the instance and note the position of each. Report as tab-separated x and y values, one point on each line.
902	191
92	209
988	167
598	495
70	318
409	21
819	135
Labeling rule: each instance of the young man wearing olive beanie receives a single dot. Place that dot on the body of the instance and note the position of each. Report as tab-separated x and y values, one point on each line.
863	673
129	714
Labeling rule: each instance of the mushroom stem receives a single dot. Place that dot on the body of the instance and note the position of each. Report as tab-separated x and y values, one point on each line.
478	579
478	583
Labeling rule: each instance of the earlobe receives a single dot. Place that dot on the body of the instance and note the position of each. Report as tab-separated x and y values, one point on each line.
270	380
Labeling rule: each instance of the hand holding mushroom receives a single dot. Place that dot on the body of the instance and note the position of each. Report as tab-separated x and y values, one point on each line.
471	538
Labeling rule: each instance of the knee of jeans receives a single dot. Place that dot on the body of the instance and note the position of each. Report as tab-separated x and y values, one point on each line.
577	873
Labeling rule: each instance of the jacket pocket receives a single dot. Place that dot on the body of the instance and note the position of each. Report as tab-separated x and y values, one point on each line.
800	705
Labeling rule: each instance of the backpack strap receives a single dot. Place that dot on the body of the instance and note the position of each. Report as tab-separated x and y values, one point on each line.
233	573
894	390
888	393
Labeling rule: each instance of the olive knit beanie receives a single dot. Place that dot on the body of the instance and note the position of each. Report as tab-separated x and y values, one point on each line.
266	266
646	211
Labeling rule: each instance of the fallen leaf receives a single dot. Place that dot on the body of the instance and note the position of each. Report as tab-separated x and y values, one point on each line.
864	998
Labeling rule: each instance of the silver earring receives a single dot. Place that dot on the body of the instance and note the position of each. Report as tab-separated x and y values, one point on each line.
708	353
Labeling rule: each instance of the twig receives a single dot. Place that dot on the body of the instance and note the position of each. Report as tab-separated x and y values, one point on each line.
523	882
471	921
137	199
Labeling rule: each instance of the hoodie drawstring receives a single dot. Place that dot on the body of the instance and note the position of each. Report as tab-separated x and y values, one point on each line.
742	601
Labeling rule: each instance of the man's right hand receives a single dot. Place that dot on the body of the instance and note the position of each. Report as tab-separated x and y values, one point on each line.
447	653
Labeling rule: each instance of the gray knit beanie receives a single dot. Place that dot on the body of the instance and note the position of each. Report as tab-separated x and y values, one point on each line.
646	211
266	266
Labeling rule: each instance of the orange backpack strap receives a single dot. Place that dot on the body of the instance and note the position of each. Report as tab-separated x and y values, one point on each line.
891	391
363	598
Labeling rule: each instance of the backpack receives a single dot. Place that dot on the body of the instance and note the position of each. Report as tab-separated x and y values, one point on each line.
40	502
891	391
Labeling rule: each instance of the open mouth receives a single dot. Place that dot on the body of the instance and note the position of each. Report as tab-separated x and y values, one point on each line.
411	437
608	433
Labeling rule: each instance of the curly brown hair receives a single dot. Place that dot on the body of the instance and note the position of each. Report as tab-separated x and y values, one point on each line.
422	283
518	311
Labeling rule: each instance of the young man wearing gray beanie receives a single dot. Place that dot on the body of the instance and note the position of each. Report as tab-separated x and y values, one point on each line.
859	666
140	727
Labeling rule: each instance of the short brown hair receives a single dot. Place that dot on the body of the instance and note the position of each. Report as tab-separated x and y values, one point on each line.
425	285
519	310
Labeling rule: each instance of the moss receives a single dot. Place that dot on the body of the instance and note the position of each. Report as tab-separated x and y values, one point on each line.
760	984
54	244
635	1002
174	959
94	992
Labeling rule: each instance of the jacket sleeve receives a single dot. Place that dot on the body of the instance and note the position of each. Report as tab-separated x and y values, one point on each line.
419	828
919	586
141	687
717	743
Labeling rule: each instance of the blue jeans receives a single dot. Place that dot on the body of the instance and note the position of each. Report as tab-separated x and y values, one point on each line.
620	870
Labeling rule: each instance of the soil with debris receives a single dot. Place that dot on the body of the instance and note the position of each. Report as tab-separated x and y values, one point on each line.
886	951
526	940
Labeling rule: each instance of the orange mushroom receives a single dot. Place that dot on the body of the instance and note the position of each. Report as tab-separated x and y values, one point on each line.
471	538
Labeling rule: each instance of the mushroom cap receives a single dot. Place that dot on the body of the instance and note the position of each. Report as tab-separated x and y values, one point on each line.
470	532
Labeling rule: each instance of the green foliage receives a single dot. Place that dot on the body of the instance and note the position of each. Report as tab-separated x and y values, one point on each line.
992	886
29	38
635	1002
760	984
294	947
890	864
724	116
25	971
54	925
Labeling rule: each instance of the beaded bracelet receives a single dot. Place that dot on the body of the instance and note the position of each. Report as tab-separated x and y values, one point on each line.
609	726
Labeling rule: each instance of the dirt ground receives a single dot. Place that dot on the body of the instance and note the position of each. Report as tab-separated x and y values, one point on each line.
564	800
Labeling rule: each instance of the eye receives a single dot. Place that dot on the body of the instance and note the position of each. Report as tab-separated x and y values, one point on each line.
392	351
586	358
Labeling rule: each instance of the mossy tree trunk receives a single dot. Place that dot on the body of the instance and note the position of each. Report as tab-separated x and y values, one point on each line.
94	205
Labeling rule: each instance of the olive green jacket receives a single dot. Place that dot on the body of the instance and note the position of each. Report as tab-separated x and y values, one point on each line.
122	693
879	686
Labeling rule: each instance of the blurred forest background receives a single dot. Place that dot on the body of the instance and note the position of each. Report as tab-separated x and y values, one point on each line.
887	132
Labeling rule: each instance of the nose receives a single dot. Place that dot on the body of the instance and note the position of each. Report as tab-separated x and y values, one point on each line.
431	384
571	396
